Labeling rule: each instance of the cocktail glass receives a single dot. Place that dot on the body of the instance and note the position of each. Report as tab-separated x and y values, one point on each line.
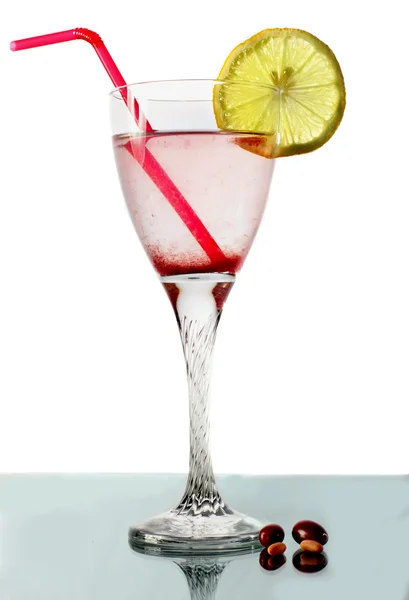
196	233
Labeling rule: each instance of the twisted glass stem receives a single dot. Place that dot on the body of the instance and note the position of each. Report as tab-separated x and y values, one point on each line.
198	303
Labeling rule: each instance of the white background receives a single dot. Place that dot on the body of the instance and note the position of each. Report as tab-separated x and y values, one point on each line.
311	364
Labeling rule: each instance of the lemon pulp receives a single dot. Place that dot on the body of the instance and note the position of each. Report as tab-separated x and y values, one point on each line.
282	82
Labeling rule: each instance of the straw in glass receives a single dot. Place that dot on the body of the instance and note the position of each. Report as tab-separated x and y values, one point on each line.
151	166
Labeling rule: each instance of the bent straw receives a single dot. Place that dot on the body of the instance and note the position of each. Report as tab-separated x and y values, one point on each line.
151	166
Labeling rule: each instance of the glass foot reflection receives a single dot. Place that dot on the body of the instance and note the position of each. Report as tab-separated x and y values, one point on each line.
202	572
202	576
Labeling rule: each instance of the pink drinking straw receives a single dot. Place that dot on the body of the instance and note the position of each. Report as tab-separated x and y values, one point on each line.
151	166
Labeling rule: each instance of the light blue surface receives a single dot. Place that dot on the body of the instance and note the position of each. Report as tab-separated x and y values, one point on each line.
65	537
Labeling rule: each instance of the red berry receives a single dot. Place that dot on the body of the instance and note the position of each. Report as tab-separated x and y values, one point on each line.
309	530
271	534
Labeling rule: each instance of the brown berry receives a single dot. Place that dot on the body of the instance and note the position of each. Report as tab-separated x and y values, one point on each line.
277	548
271	534
309	530
311	546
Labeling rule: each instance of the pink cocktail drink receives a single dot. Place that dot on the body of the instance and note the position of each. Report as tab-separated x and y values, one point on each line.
225	184
195	163
221	180
197	231
196	192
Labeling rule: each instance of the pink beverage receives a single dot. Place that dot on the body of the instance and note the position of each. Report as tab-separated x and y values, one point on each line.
225	184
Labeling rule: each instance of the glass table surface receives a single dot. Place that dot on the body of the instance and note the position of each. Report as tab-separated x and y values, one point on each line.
64	537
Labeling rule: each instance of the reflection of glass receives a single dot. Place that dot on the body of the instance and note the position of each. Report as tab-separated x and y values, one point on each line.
202	572
202	575
196	196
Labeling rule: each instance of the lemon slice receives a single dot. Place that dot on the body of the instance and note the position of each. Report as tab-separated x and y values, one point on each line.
299	99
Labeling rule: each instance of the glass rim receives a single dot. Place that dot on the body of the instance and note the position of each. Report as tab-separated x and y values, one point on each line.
245	82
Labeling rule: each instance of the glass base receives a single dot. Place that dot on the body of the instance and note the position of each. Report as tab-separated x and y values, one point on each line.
171	532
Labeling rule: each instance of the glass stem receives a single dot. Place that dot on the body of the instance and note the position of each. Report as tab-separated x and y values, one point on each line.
198	302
